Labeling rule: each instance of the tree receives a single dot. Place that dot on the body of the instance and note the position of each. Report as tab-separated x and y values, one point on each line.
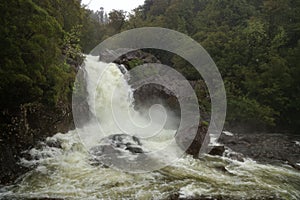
116	20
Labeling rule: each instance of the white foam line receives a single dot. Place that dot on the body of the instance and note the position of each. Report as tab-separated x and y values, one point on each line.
228	133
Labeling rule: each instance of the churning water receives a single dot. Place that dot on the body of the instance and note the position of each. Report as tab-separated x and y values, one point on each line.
68	171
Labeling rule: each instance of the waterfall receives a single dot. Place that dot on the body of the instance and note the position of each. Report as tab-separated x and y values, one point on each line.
110	100
62	166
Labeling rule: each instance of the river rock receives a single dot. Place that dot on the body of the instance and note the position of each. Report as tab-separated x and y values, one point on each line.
265	147
217	150
118	143
121	151
184	139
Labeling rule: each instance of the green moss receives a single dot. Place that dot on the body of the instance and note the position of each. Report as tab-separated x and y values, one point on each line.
135	62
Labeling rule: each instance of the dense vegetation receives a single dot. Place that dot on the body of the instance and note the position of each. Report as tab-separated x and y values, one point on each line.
255	44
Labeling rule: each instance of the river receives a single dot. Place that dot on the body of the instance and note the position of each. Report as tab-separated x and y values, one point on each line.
62	167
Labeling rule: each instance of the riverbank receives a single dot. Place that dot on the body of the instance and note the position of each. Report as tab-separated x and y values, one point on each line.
266	148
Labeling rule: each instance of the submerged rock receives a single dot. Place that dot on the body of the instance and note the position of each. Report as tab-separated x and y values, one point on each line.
118	143
116	147
123	152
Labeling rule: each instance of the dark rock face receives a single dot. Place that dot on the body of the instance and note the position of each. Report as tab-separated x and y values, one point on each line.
151	94
194	148
148	94
217	150
80	107
265	148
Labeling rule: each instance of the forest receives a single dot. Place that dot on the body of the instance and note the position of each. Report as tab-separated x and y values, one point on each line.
254	43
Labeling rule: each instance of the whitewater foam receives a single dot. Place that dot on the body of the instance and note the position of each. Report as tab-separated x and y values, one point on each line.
62	166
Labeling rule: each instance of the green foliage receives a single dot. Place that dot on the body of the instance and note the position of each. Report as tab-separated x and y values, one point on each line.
71	45
36	48
249	111
135	62
68	13
92	32
185	68
116	19
255	45
29	43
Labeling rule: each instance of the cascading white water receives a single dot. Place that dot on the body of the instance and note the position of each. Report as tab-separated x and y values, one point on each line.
110	99
111	102
65	170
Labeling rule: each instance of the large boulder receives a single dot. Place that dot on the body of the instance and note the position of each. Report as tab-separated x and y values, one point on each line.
217	150
118	143
184	138
151	94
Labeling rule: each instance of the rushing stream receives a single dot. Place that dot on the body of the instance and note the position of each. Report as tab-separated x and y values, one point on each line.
62	166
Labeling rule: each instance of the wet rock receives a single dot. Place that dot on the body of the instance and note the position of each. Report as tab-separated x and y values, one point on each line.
217	150
53	143
264	148
234	155
151	94
80	107
134	150
123	140
294	165
121	151
117	144
183	140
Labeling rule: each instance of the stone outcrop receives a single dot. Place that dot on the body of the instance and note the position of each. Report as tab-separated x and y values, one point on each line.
217	150
151	94
184	140
80	107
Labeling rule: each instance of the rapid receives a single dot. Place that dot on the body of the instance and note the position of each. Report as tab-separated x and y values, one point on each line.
62	167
